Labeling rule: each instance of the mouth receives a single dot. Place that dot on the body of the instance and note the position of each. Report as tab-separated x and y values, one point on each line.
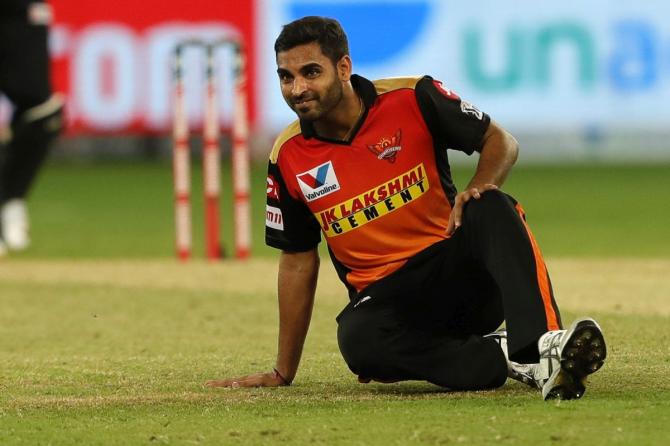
302	102
303	107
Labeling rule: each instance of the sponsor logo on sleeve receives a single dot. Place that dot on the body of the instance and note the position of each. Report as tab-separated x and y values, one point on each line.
445	91
318	182
387	148
272	188
471	110
274	218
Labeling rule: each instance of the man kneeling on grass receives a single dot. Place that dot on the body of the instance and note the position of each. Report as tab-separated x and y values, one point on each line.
430	272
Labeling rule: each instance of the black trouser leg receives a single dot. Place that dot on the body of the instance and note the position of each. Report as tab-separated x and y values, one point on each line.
420	323
378	342
24	79
500	241
28	148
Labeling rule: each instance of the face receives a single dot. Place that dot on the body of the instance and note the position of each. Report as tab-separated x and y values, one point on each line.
310	83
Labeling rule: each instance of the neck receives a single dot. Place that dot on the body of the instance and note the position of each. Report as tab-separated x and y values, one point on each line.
340	122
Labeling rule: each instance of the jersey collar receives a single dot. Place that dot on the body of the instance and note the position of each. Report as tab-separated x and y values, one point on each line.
366	90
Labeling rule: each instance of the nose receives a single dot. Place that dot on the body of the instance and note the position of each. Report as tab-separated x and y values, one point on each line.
299	86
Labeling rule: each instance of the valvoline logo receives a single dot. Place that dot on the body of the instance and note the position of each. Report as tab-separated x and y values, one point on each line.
397	25
318	182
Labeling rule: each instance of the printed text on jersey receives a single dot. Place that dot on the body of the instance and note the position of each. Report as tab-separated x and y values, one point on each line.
375	203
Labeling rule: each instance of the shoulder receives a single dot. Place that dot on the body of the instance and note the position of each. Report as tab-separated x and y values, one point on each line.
289	132
396	83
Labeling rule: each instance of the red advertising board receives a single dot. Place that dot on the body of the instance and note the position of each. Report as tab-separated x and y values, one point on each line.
113	59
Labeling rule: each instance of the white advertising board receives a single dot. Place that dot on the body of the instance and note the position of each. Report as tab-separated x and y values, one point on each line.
532	65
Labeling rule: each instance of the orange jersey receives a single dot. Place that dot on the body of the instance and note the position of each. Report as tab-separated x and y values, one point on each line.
386	193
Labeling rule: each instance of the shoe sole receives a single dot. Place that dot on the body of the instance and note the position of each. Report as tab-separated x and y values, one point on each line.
583	352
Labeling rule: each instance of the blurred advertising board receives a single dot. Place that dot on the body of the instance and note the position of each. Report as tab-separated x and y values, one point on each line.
113	59
559	66
572	67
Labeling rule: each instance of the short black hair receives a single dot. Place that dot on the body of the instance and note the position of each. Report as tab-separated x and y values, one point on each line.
327	32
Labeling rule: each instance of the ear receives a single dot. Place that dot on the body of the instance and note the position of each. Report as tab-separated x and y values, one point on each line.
344	67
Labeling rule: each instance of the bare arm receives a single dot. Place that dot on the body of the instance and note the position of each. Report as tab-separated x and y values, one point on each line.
497	156
298	273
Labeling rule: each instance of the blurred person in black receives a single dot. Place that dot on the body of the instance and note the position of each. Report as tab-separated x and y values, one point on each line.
37	113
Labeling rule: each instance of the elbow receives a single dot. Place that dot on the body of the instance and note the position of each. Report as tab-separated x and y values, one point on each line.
500	142
306	261
316	261
508	145
512	147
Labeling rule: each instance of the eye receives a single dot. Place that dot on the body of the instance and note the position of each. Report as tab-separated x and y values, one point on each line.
285	78
312	73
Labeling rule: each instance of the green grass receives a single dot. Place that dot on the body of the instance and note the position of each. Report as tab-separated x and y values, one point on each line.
120	210
100	343
126	210
602	210
90	363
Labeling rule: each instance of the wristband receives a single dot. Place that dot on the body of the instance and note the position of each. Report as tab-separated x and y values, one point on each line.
280	376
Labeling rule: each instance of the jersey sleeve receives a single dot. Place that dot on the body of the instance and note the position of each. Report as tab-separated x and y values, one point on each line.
289	225
453	122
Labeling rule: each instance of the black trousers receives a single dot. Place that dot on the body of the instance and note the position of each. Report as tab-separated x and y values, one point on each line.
24	80
426	320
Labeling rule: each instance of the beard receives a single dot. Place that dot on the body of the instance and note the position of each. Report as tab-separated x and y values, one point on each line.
312	106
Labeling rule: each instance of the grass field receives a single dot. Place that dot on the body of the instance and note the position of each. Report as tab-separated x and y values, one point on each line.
124	210
104	339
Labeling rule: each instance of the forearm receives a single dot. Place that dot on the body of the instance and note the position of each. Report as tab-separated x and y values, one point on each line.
498	154
297	280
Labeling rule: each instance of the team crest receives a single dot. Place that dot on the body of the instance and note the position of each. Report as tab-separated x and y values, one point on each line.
387	148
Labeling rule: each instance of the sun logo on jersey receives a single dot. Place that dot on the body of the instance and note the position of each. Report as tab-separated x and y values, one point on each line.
387	148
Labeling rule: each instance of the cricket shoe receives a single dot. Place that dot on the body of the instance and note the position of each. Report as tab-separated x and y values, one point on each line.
567	357
524	373
14	224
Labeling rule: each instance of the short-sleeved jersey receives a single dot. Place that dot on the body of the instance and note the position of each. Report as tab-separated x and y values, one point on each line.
386	193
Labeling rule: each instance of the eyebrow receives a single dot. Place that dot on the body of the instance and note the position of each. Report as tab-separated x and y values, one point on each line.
309	66
304	69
